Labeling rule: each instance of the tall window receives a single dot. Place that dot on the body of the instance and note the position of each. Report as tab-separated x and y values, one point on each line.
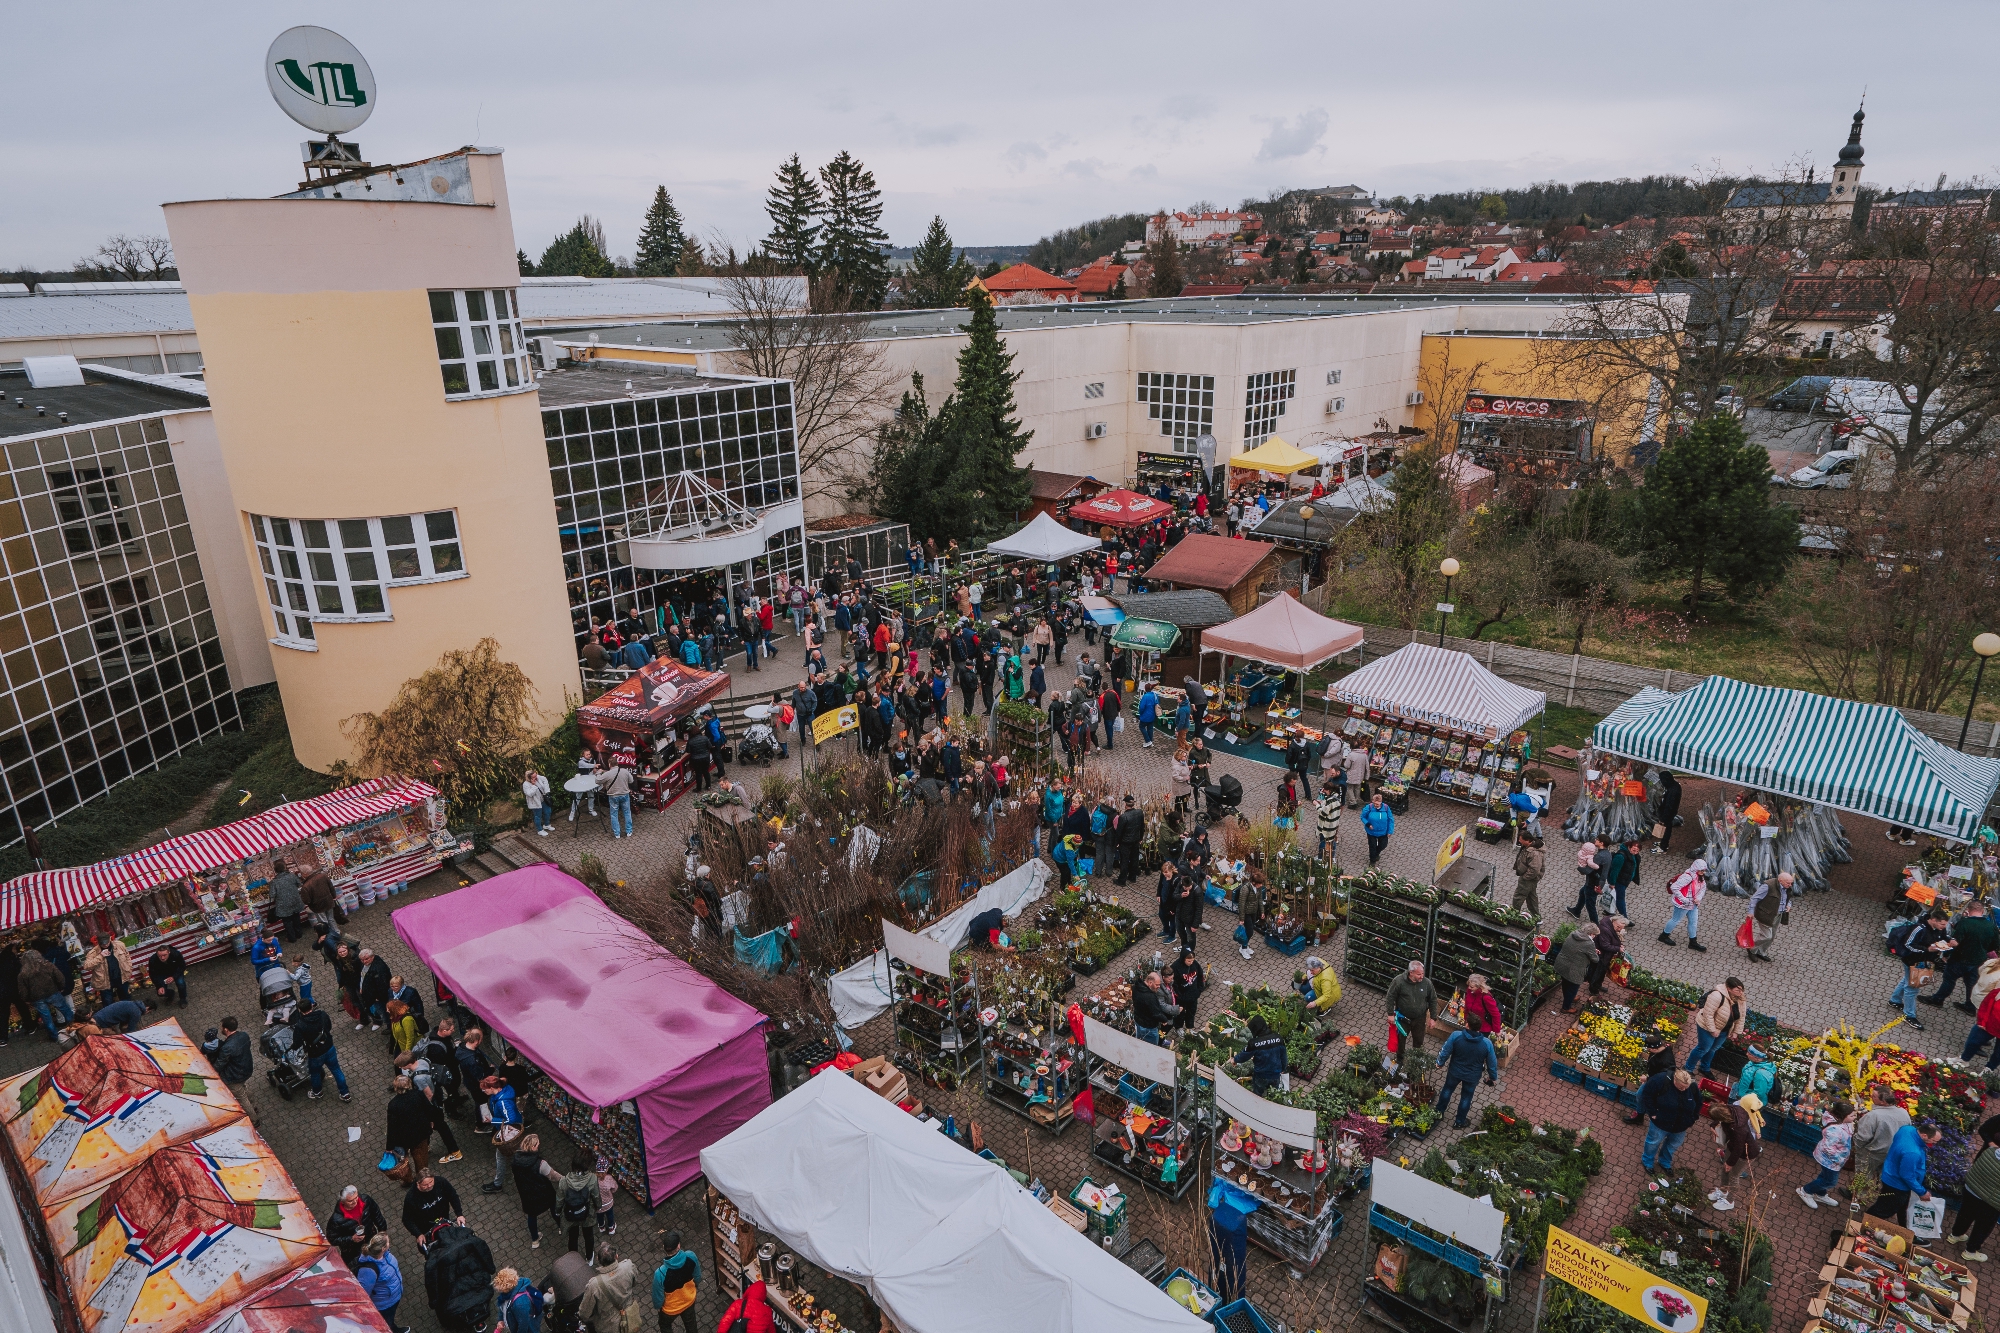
1264	400
480	347
1184	405
87	504
322	569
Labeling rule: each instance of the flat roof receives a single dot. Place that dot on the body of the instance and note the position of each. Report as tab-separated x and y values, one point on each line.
614	381
99	398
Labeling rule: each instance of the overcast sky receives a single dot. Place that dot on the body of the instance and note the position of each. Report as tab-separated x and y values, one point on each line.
1008	120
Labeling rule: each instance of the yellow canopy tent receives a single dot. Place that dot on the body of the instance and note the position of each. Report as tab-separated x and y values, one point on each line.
1275	455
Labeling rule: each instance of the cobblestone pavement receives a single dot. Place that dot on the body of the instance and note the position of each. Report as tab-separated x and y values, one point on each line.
1829	967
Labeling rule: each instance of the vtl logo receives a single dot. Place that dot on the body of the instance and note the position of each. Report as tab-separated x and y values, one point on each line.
327	82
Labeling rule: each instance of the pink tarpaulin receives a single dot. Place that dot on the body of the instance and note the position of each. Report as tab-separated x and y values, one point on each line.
600	1008
1283	633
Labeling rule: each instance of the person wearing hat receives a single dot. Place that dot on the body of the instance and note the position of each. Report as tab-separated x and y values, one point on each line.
1659	1060
1759	1075
1768	906
1189	980
1685	895
1265	1054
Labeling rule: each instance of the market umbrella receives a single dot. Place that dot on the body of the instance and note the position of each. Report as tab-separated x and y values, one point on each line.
1153	636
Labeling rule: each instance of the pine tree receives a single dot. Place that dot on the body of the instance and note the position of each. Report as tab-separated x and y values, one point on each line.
661	238
980	429
1708	513
794	205
914	469
850	244
934	279
575	254
1168	275
527	265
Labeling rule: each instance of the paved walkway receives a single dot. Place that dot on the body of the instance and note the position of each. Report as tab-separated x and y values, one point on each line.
1829	967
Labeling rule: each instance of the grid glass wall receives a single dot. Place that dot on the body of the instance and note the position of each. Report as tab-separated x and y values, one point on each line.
1264	398
110	653
610	463
1184	405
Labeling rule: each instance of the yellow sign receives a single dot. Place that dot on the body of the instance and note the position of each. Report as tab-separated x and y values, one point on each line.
1449	851
1623	1285
840	721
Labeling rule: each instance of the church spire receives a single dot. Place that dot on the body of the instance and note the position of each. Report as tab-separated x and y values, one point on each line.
1852	152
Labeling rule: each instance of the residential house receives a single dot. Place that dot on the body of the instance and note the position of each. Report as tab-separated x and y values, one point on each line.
1202	228
1098	280
1834	316
1455	261
1386	245
1529	272
1933	207
1024	284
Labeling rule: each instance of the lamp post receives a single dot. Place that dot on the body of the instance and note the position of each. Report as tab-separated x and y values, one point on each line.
1986	645
1449	568
1306	512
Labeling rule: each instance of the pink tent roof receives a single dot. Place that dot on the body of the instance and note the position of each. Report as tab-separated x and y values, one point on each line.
1282	633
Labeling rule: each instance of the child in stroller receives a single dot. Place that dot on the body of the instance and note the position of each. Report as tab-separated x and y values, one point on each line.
277	992
286	1056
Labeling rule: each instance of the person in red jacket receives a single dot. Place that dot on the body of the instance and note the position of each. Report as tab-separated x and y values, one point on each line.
1482	1011
752	1308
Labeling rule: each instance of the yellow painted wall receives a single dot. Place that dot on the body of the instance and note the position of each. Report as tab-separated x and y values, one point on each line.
1529	367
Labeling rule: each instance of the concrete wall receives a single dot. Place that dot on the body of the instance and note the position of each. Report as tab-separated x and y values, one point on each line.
327	403
234	593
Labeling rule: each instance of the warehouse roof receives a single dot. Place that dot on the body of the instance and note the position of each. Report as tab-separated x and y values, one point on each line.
576	383
101	397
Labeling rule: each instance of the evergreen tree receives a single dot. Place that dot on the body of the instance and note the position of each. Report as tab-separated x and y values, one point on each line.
980	431
1708	513
527	265
794	204
914	469
1168	274
934	280
1118	292
661	238
574	254
851	241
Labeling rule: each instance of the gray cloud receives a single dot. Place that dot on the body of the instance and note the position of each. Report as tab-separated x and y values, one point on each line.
1294	138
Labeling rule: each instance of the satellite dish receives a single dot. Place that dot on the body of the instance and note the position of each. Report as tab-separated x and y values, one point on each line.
319	79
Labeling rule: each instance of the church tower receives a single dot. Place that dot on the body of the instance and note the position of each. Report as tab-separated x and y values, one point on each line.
1847	171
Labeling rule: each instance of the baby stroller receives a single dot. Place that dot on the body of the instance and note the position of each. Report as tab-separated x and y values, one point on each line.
276	995
1224	796
563	1289
287	1058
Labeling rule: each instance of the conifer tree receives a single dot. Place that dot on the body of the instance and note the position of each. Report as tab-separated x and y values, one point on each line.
852	240
661	238
934	279
1168	274
794	205
575	254
980	428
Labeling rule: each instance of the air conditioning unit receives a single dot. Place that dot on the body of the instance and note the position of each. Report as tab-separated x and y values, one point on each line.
1413	399
1334	405
1096	430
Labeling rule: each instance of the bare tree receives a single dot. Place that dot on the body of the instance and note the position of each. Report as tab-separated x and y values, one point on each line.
131	259
842	386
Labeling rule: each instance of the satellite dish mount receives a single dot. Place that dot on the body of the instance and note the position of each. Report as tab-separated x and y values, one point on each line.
320	80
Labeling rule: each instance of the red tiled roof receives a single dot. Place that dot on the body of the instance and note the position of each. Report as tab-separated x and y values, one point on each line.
1529	272
1414	266
1834	299
1096	281
1027	278
1451	252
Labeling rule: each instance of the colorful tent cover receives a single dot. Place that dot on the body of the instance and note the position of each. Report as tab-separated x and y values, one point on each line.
600	1008
183	1236
1153	636
1854	756
1283	633
320	1298
107	1104
1275	455
1043	539
45	894
658	693
1120	509
1419	683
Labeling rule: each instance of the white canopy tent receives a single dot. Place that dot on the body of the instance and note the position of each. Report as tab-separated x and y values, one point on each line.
943	1240
1043	540
1420	683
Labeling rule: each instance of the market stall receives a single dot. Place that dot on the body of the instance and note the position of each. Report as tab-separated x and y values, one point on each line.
1145	1125
942	1240
1435	720
1034	1060
647	1061
1275	456
206	892
1044	541
1235	570
1288	637
938	1028
1189	612
1121	509
1273	1152
1442	1260
1863	758
630	724
1053	493
322	1297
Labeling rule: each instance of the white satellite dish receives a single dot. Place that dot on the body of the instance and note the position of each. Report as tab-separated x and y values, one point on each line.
320	80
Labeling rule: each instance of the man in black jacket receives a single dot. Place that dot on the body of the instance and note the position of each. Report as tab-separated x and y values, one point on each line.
458	1279
428	1202
229	1051
1659	1060
411	1117
314	1033
1131	832
168	971
374	993
355	1219
1673	1103
1152	1009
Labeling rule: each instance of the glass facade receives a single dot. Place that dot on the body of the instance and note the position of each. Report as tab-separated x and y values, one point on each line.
1184	405
1264	399
480	348
610	462
109	648
336	570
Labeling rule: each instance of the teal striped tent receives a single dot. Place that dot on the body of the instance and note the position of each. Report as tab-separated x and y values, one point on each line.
1860	757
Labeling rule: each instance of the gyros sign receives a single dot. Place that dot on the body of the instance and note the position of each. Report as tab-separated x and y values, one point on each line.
1511	407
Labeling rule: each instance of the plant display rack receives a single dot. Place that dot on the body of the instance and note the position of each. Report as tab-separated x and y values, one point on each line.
937	1022
1117	1093
1465	939
1298	1212
1027	1036
1389	922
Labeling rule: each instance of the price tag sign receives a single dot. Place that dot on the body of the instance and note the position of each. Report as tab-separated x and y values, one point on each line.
1447	607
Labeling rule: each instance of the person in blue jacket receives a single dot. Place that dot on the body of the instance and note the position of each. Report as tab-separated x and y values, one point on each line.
1149	716
1265	1055
382	1278
1760	1075
1464	1056
1378	821
1904	1169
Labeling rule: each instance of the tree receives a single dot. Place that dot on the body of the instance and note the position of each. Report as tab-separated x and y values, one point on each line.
934	279
1406	542
1493	208
793	205
1672	261
918	479
851	238
839	380
527	265
1708	513
1168	277
576	253
1579	579
661	238
1074	247
130	259
980	428
461	726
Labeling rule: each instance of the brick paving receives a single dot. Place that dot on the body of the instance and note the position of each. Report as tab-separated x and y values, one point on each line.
1829	967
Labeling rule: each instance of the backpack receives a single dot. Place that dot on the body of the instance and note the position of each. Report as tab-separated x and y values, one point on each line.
1100	822
1899	935
536	1303
578	1205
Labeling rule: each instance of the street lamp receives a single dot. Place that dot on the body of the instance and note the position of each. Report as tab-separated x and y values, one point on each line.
1986	645
1449	568
1306	512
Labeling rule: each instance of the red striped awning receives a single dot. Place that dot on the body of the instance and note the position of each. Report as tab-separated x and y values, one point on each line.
44	894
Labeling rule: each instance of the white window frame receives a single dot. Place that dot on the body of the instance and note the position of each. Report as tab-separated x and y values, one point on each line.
506	351
1183	404
306	565
1264	397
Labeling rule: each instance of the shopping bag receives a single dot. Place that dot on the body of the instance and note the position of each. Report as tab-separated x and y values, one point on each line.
1927	1218
1118	723
1242	934
1746	934
1659	830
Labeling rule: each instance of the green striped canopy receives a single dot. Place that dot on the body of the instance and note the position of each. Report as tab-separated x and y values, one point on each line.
1153	636
1854	756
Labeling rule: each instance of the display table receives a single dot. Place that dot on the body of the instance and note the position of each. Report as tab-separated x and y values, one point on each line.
1144	1126
659	790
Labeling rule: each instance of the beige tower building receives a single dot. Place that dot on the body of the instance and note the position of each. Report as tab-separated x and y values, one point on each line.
380	432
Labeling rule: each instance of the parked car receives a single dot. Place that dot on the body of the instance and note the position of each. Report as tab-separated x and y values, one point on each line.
1822	539
1831	471
1801	395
